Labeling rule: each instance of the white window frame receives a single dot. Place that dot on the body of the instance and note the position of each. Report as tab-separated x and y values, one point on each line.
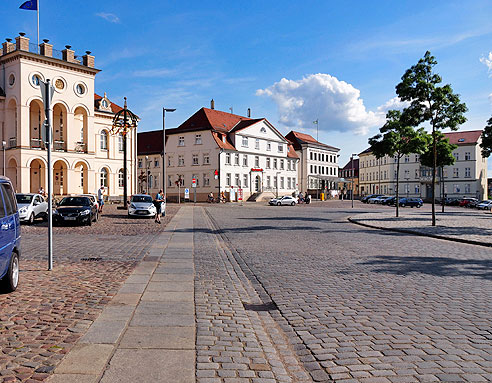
181	141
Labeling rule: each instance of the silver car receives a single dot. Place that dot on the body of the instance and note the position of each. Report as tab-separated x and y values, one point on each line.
141	205
285	200
31	206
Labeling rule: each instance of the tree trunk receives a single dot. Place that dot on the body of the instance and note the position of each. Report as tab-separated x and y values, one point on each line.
397	186
434	168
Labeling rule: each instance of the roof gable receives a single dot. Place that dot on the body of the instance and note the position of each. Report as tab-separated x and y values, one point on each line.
298	139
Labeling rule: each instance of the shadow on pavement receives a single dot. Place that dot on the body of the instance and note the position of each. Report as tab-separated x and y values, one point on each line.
437	266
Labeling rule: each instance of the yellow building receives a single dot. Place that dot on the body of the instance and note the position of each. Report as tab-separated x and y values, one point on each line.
85	155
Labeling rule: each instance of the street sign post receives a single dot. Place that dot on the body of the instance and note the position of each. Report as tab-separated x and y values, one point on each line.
47	91
193	185
187	193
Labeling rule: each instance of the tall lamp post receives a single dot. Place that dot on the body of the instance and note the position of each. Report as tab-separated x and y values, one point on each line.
123	122
352	177
164	110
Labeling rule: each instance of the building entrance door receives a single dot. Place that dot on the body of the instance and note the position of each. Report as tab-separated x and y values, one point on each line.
257	183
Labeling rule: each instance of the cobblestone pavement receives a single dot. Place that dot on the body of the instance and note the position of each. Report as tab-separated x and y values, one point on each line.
456	223
237	338
50	311
365	305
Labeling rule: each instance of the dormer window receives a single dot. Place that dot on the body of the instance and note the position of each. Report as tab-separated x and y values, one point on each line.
104	104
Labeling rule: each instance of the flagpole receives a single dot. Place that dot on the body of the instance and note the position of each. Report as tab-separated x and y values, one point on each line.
38	22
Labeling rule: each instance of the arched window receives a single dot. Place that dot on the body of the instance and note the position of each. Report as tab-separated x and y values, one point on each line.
104	140
104	177
121	178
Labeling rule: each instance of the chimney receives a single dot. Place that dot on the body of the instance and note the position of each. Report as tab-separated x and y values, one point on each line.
46	49
68	54
249	112
88	60
22	42
8	46
212	104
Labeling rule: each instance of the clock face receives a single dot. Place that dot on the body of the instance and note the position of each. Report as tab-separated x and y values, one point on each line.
59	84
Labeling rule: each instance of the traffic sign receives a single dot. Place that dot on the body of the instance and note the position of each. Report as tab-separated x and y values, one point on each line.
187	193
193	182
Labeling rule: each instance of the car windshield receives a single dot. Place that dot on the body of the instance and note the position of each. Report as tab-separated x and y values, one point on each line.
24	198
142	198
75	201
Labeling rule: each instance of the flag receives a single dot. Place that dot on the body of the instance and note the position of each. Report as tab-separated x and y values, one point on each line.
31	5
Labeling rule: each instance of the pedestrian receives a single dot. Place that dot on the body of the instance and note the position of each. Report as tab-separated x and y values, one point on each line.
100	198
42	192
159	199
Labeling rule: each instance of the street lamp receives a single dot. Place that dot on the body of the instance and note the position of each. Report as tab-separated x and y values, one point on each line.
164	110
123	122
352	177
4	143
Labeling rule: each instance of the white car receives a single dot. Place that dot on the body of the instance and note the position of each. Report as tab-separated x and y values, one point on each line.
31	206
485	205
93	198
141	205
285	200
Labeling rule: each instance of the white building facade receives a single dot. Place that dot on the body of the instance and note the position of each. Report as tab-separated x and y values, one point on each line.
224	152
466	177
85	154
318	169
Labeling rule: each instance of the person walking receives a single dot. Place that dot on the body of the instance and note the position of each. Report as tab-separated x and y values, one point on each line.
159	199
100	198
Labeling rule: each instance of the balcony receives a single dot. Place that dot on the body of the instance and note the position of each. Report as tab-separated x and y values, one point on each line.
37	143
59	146
81	147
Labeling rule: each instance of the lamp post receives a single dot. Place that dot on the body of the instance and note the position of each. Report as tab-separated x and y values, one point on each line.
123	122
352	177
164	110
4	144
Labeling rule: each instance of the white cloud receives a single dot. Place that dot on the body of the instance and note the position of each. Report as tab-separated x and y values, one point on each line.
158	72
111	17
488	62
336	104
393	104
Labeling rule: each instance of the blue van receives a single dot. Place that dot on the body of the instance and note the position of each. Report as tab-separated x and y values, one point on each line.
9	238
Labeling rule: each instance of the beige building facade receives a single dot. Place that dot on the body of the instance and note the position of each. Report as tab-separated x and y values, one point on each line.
85	154
223	152
467	177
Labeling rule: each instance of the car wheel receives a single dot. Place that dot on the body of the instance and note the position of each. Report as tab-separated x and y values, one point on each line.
45	217
278	204
402	205
293	204
89	221
30	221
418	206
11	279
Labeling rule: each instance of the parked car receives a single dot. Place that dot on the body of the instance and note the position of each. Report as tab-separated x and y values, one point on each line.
75	209
93	198
141	205
474	204
366	198
389	201
378	200
466	201
285	200
412	202
485	205
31	206
9	238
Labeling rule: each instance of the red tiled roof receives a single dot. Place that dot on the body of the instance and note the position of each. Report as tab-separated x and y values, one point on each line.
463	138
149	142
291	153
301	138
114	107
220	143
205	119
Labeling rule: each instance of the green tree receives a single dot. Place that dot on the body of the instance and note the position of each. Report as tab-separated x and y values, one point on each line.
486	143
396	139
429	102
445	157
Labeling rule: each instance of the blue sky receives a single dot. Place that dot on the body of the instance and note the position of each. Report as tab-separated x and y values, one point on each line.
340	60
